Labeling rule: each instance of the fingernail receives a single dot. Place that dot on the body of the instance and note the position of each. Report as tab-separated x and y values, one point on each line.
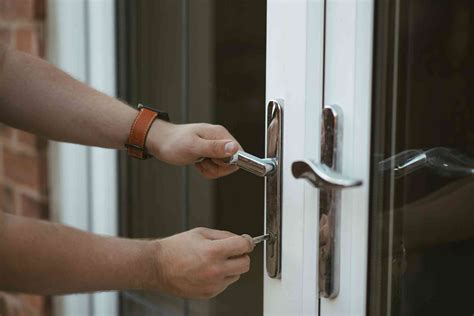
230	148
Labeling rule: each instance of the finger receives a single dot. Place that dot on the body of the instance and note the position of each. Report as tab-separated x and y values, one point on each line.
209	131
199	167
226	282
215	234
324	235
237	265
225	167
213	171
250	239
225	164
231	279
209	169
234	246
222	162
215	148
323	220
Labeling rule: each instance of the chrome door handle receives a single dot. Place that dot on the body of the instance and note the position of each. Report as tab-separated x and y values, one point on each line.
321	176
261	167
324	176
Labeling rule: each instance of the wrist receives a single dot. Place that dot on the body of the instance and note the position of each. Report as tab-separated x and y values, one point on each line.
141	131
152	277
156	141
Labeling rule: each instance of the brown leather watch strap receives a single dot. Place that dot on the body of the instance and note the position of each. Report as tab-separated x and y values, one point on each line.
139	131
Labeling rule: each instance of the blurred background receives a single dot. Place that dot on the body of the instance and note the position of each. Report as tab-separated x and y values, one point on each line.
202	61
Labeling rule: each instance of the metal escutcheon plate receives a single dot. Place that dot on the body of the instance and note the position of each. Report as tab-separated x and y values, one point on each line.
273	190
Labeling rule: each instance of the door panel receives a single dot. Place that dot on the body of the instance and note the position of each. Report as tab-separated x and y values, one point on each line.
294	75
202	61
348	84
422	236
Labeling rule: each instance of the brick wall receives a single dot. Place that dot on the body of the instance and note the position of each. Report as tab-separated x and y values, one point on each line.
23	183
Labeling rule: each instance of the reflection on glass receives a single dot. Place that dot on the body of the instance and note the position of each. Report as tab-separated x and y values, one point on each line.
445	162
421	252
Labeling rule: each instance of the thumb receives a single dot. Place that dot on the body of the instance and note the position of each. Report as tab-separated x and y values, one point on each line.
216	148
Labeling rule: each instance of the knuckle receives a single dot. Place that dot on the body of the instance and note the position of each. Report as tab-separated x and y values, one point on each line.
193	147
228	233
203	126
220	129
211	253
198	230
213	272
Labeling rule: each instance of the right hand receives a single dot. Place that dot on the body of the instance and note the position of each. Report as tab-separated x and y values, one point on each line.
184	144
202	262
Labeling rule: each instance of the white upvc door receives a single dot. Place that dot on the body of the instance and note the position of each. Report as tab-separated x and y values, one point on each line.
294	75
319	52
348	83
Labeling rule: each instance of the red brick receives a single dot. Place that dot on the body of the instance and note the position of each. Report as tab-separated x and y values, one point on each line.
31	140
5	36
24	169
7	133
17	9
40	9
7	202
26	138
33	303
10	304
32	207
26	39
23	156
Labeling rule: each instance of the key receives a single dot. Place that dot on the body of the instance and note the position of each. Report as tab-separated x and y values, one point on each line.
259	239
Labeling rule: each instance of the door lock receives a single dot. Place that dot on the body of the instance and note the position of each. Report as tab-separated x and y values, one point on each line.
270	168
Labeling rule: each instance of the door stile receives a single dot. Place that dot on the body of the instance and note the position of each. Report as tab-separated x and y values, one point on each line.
348	83
295	32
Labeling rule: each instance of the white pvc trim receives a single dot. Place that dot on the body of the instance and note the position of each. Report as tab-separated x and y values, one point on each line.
83	180
294	74
348	83
104	179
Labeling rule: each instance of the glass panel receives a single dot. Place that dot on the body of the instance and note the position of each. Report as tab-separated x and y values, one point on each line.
202	61
421	254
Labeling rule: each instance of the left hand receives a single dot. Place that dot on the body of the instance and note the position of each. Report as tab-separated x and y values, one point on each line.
184	144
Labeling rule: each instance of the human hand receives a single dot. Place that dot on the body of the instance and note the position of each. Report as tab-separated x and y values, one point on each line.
187	143
202	262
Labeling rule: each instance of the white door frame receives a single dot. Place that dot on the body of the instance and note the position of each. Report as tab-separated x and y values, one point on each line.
306	39
295	39
83	180
348	83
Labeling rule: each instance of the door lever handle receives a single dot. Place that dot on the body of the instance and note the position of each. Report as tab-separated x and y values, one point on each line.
270	168
321	176
261	167
324	176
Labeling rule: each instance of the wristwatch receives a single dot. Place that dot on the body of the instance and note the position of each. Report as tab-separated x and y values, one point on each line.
139	131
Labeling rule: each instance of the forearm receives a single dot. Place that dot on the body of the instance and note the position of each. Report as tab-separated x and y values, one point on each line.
46	258
37	97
